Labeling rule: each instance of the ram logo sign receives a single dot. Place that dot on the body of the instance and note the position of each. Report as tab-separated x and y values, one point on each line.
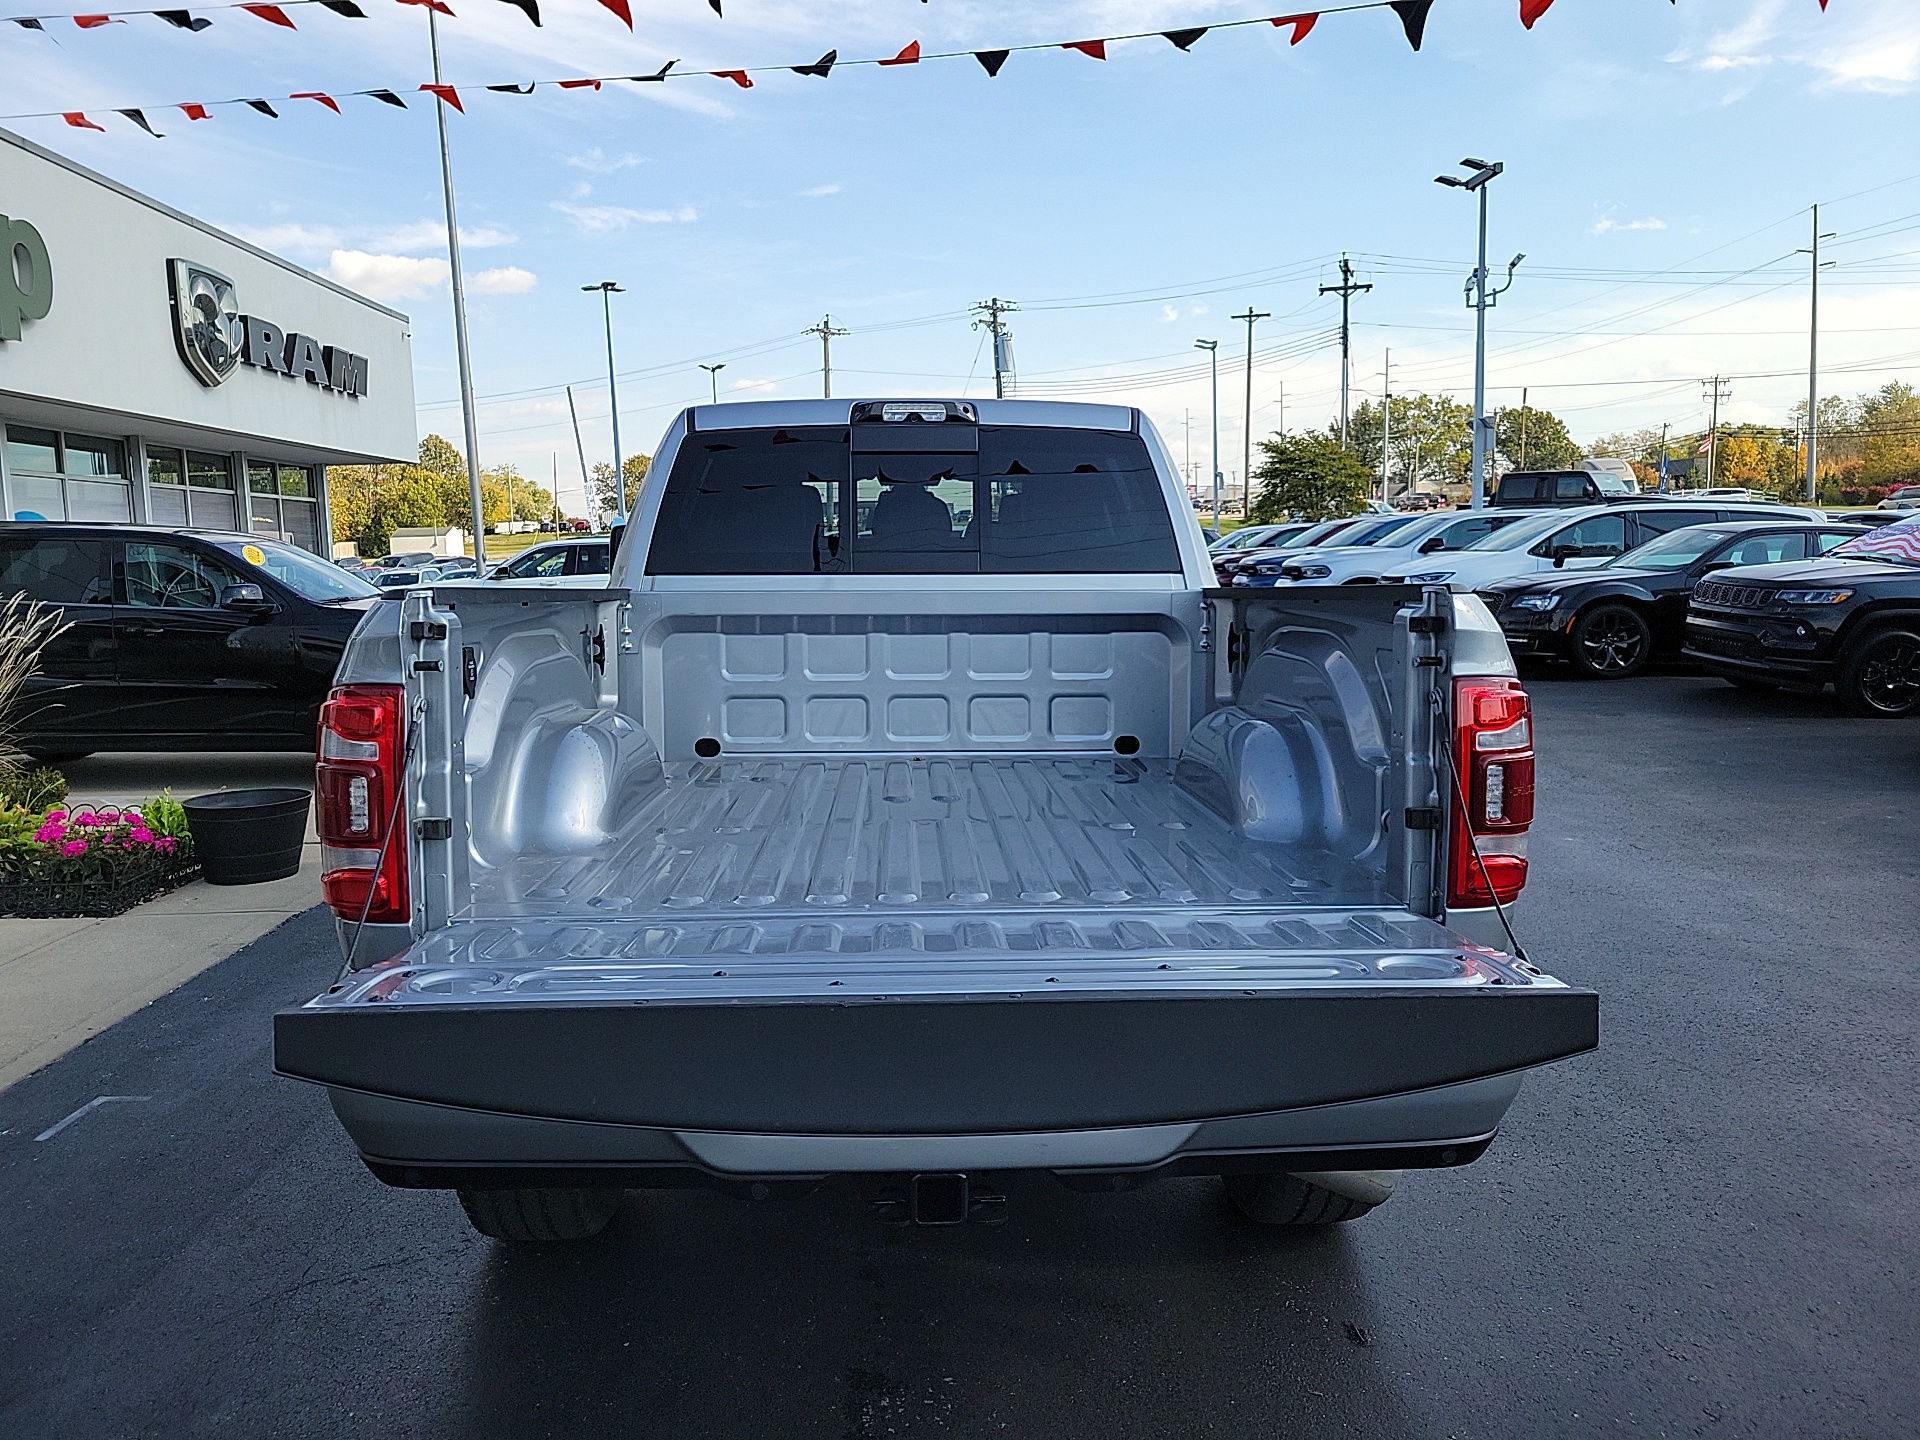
26	277
215	337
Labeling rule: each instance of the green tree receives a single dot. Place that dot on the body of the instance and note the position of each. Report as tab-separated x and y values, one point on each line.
1533	439
605	497
1431	442
1889	422
1309	476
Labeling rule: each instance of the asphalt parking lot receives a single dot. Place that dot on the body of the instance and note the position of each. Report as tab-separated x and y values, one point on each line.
1710	1227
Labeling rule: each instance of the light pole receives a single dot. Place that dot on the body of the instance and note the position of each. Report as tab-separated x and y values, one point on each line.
607	291
1813	363
713	374
1212	347
1246	434
1479	297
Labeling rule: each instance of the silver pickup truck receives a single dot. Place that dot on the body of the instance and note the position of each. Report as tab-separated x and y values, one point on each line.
909	808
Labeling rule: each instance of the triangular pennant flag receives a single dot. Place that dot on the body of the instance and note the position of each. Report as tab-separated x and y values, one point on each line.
141	121
657	75
80	122
326	100
346	8
430	4
1413	18
716	7
991	60
1532	10
386	97
533	10
909	56
526	89
94	22
1823	7
195	112
181	20
1096	48
738	77
264	108
272	14
821	67
1183	39
579	84
27	22
1302	25
448	94
619	7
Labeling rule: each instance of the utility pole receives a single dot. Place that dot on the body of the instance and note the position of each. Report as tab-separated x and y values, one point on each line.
1212	347
1813	362
1663	457
586	484
993	309
467	414
1346	290
1187	470
1479	299
1246	438
607	291
713	378
1386	421
1717	391
826	332
1283	407
1523	427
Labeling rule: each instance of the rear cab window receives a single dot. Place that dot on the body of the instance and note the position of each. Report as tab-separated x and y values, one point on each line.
63	570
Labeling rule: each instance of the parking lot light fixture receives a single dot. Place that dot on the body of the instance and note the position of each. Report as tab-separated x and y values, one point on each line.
1212	347
1479	297
607	291
713	374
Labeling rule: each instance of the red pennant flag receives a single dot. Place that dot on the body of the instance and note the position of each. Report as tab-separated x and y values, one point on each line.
1823	7
619	7
738	77
577	85
195	112
448	94
1302	25
80	122
326	100
908	56
94	22
1532	10
272	14
1096	48
430	4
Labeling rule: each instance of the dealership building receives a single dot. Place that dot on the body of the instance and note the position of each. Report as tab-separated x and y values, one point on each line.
156	370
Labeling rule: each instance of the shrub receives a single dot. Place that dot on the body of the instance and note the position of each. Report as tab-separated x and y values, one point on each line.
36	790
167	817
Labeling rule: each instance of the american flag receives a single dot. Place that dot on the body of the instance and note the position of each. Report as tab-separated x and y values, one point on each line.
1898	541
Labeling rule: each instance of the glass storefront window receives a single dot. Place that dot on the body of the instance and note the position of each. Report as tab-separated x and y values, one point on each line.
295	480
209	472
164	467
32	450
260	478
37	497
92	455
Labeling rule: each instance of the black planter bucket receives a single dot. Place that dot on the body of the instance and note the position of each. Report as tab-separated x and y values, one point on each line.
241	837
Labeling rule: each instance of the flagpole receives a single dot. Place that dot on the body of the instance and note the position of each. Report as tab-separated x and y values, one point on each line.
459	315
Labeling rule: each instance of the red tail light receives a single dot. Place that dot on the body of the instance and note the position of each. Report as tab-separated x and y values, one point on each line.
357	783
1493	750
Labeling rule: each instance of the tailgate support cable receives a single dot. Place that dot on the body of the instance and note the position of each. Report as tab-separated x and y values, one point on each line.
1460	798
414	722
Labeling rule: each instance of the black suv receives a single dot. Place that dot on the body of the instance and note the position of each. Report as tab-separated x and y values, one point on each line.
1534	488
1851	620
1612	619
177	639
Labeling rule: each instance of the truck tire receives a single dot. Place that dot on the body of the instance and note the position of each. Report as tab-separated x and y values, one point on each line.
539	1216
1880	675
1279	1199
1611	642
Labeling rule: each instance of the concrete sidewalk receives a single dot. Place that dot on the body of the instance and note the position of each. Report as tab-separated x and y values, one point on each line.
64	981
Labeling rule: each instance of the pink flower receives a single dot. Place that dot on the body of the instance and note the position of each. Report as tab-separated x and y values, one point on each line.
142	835
74	847
53	815
164	844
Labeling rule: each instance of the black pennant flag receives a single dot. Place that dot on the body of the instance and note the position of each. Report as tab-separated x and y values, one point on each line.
659	74
181	20
346	8
1183	39
526	89
821	67
265	109
532	9
386	97
716	7
141	121
991	60
1413	15
27	22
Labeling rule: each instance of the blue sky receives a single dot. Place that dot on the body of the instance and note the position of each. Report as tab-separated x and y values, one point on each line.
1660	159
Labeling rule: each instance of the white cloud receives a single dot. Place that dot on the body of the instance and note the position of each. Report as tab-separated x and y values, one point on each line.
603	219
596	161
822	190
1168	314
1607	225
432	235
386	277
291	238
508	280
756	384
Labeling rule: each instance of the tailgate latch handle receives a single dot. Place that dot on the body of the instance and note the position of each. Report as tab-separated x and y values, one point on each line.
426	630
434	828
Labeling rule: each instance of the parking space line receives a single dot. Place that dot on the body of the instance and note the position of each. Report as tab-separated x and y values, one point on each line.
93	1104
